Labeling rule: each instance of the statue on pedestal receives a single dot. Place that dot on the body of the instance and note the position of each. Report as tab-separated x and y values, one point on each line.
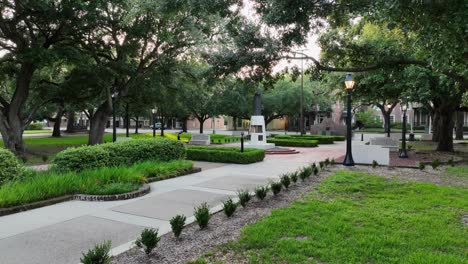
257	103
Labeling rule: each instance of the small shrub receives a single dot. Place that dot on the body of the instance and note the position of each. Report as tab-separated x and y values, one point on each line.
148	240
293	177
10	167
229	207
276	187
333	161
44	158
374	164
35	126
224	154
244	197
261	192
82	158
177	224
315	171
314	165
202	215
409	147
450	162
285	181
435	164
327	162
422	166
305	172
321	164
98	255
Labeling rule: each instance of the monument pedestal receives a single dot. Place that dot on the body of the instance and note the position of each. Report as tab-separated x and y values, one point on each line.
258	134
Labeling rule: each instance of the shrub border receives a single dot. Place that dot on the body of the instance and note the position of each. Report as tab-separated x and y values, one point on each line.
143	190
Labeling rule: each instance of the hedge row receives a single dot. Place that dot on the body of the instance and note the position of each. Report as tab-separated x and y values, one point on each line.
10	167
222	139
227	155
118	153
320	138
291	142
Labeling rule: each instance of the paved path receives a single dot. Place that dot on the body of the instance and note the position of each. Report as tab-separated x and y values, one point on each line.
58	234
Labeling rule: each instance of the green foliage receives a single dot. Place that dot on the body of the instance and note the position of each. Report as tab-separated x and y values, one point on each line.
293	142
293	176
285	180
422	166
177	224
98	255
38	186
368	119
229	207
315	170
35	126
223	139
228	155
458	171
276	187
202	215
374	164
450	162
422	221
148	240
10	167
435	164
244	197
118	153
305	172
327	162
261	192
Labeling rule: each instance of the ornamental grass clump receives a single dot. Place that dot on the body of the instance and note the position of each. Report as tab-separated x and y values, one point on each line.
315	171
261	192
276	187
321	165
148	240
327	162
202	215
435	164
177	224
285	181
293	176
244	197
374	164
422	166
229	207
98	255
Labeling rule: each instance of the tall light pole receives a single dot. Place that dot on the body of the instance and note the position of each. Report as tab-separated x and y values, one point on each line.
153	111
114	128
403	154
349	83
302	126
389	106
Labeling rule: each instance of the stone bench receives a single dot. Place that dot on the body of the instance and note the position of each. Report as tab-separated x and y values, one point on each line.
426	137
385	142
365	154
200	139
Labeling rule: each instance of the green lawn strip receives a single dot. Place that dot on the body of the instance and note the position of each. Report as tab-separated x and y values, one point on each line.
42	131
458	171
114	180
225	154
358	218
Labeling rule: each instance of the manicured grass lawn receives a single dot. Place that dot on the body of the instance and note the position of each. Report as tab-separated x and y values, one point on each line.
358	218
42	131
458	171
43	185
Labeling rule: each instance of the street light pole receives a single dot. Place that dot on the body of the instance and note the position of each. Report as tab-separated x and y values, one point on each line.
403	154
153	111
302	98
114	128
348	161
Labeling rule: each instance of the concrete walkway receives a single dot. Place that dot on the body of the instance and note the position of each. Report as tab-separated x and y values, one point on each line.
58	234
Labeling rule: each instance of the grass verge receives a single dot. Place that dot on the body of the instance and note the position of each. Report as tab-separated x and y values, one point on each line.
358	218
38	186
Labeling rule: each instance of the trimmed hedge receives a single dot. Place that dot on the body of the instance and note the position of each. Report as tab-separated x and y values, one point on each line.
226	155
320	138
10	167
291	142
222	139
118	153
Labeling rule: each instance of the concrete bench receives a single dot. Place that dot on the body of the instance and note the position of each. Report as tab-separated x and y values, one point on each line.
385	142
365	154
426	137
200	139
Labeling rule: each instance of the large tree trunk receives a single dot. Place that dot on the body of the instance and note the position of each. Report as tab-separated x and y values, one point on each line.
435	126
137	124
57	122
184	125
12	134
162	126
459	125
234	120
70	122
445	128
98	124
386	118
202	121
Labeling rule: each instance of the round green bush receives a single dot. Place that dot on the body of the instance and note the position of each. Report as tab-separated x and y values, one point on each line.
10	167
81	158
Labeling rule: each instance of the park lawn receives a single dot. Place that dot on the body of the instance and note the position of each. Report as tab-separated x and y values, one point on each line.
42	131
358	218
39	186
458	171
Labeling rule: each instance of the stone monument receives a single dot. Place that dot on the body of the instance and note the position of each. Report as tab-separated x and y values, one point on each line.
257	129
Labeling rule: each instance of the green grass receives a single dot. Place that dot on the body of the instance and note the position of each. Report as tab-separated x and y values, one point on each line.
42	131
44	185
458	171
358	218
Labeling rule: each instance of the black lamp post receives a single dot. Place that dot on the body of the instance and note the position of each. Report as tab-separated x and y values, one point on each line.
154	121
348	161
242	141
114	128
389	105
403	154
